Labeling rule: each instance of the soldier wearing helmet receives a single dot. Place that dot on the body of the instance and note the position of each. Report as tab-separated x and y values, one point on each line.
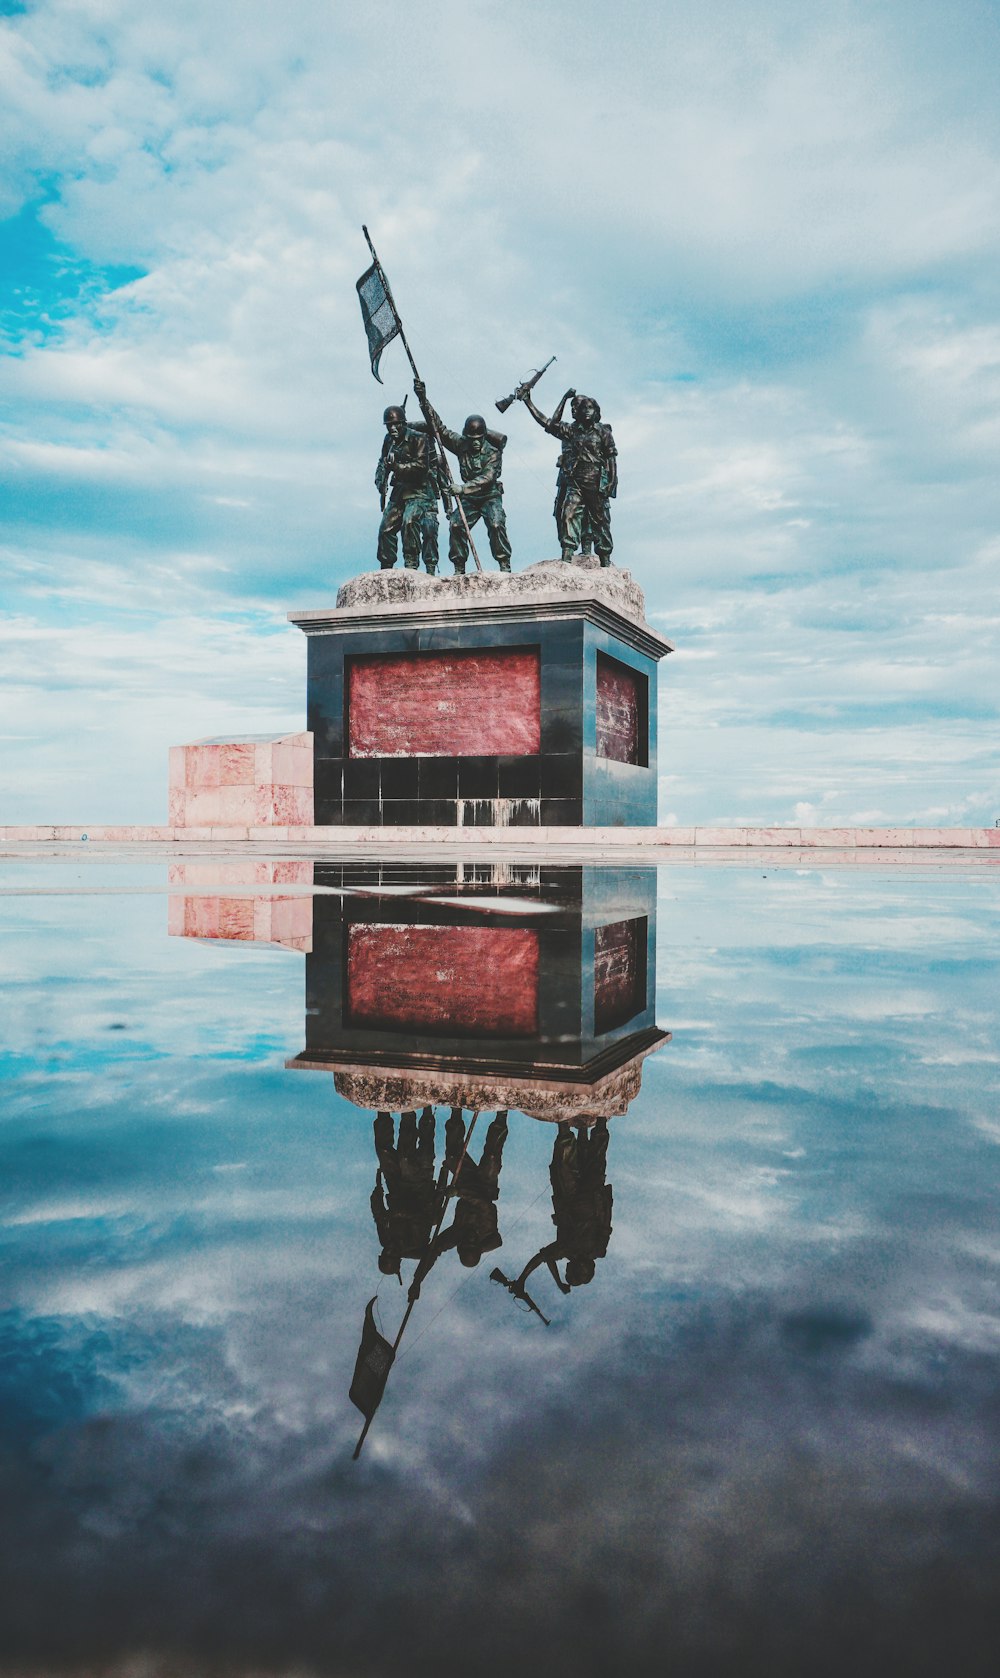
479	452
588	475
407	472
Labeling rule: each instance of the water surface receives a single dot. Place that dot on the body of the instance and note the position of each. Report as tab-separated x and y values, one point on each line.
760	1438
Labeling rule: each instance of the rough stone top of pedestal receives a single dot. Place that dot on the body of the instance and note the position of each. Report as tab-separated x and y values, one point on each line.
585	575
552	589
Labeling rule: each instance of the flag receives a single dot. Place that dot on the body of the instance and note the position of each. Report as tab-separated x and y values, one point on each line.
378	313
371	1372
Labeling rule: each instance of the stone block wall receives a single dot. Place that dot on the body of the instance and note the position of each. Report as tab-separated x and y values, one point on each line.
260	781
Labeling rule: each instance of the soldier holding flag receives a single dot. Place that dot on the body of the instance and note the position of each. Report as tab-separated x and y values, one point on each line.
413	462
479	452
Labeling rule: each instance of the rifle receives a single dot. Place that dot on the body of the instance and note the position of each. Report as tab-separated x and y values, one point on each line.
522	390
518	1292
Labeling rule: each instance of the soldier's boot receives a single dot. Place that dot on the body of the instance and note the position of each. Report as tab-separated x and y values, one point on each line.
431	568
504	564
411	564
459	569
568	555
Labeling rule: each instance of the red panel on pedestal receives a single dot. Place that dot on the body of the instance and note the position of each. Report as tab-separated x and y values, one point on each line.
619	973
622	703
455	704
452	980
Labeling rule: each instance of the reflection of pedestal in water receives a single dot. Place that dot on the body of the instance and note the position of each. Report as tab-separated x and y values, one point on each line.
217	901
539	997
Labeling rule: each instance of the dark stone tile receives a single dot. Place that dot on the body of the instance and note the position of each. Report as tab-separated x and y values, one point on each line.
524	814
519	777
329	813
561	812
437	812
438	777
477	812
361	777
477	777
400	777
362	812
562	775
400	812
327	779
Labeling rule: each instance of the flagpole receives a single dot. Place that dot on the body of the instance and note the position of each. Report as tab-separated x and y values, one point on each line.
432	427
406	1317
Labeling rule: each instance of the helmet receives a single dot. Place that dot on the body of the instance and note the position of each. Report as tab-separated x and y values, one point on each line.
475	426
394	415
388	1263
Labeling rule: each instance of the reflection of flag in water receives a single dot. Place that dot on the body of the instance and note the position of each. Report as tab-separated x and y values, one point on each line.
378	313
375	1359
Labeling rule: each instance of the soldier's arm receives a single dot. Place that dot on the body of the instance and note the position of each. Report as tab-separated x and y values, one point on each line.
554	427
379	1211
451	439
441	1243
485	480
611	456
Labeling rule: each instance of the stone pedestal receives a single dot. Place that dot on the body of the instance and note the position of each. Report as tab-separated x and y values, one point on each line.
487	700
259	780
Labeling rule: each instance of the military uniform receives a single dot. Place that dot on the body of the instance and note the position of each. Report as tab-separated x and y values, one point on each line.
404	1200
409	465
475	1228
480	462
587	480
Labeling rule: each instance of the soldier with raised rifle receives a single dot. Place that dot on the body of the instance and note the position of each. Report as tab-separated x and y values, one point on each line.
581	1209
479	453
588	473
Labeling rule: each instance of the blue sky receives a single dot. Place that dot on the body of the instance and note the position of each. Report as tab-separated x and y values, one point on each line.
764	235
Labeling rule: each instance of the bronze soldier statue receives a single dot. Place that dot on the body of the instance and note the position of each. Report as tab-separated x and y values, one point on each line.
581	1208
474	1230
405	1202
479	452
407	463
588	474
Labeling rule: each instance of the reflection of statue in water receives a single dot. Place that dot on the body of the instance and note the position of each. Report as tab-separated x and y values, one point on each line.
581	1207
474	1230
405	1200
588	475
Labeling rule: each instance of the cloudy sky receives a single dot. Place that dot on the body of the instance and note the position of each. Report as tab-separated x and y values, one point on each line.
764	235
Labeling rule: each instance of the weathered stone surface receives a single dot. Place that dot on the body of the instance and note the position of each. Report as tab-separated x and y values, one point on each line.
397	1092
584	576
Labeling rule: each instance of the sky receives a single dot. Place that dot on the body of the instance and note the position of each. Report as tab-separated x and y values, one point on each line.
764	236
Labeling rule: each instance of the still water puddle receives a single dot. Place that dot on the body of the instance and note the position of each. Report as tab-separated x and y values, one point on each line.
493	1269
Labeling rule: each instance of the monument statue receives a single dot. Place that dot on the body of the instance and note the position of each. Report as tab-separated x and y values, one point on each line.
407	474
588	473
479	452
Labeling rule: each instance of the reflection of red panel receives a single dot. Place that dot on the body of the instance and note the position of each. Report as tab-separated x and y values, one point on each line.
619	973
454	980
456	704
621	712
